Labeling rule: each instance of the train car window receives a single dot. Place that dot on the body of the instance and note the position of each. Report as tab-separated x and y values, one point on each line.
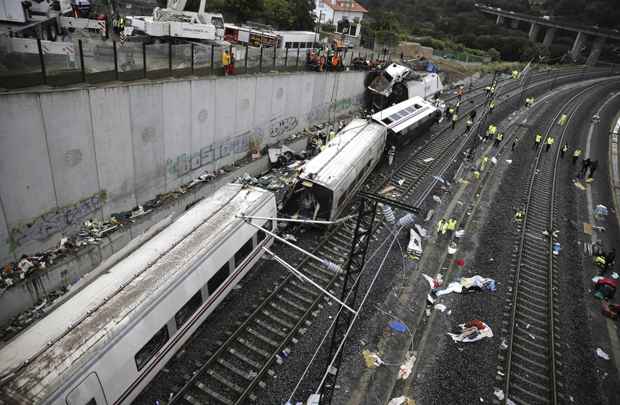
295	44
243	252
151	347
188	309
218	278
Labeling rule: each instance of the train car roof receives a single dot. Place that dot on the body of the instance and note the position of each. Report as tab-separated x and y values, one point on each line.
330	166
404	114
33	362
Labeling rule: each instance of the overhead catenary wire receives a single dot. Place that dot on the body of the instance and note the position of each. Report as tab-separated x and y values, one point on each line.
327	332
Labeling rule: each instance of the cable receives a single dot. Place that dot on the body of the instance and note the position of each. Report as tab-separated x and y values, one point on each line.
316	352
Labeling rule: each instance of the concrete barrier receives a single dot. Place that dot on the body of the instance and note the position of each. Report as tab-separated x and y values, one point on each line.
72	154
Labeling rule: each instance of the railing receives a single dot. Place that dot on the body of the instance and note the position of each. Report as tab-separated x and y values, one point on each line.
32	62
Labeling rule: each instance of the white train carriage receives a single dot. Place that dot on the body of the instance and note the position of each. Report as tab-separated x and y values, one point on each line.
330	179
105	343
408	119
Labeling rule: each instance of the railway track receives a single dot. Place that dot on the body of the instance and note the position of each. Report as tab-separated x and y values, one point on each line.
233	372
531	365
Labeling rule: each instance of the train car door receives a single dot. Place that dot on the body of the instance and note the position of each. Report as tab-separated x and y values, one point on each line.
88	392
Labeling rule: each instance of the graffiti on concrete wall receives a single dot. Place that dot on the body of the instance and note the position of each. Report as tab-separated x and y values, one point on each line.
322	111
57	220
277	127
186	162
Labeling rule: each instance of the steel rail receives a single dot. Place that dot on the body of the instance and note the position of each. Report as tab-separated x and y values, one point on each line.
541	192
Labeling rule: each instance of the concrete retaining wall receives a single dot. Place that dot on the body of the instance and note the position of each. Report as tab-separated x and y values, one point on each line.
69	155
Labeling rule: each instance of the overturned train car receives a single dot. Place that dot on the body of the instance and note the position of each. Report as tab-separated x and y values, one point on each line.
397	83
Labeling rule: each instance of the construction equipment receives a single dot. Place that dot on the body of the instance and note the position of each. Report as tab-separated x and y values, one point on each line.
183	19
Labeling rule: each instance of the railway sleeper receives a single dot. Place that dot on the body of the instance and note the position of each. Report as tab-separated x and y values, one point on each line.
532	398
298	295
285	311
289	301
526	318
225	381
246	375
533	384
310	291
193	401
541	316
539	374
270	328
322	270
262	337
534	287
277	319
244	358
246	343
525	300
528	359
527	326
213	394
525	342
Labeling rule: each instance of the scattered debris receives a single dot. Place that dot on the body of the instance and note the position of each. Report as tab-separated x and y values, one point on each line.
289	237
428	160
401	401
509	161
471	331
579	185
600	353
387	189
372	359
440	307
398	326
405	369
499	394
459	262
556	248
469	284
452	248
415	243
437	199
601	212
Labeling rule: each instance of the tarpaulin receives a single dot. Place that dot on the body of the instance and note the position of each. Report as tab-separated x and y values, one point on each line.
471	331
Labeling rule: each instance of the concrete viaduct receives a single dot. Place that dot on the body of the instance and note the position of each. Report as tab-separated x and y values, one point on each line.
599	36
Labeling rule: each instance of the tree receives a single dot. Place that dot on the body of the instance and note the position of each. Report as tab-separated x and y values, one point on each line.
277	13
494	54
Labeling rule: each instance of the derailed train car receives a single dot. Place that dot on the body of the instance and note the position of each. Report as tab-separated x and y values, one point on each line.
331	179
105	343
397	83
407	120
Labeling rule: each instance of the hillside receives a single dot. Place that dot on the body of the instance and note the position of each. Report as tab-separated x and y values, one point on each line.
456	25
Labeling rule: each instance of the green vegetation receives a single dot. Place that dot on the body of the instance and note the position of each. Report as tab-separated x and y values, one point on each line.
456	26
280	14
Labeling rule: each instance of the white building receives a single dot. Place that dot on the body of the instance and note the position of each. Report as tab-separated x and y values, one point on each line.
345	15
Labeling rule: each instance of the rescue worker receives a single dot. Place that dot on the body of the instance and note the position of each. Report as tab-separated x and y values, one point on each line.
499	138
600	261
487	90
332	135
444	228
515	141
451	227
584	167
576	155
563	119
491	132
485	159
563	150
593	166
455	118
226	62
492	93
515	74
529	101
537	140
391	153
519	215
550	141
476	174
441	227
491	106
468	124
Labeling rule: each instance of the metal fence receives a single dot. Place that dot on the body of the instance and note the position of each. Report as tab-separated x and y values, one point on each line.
31	62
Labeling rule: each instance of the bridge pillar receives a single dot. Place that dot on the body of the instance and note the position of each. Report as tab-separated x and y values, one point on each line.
534	30
514	24
577	45
500	20
549	36
595	52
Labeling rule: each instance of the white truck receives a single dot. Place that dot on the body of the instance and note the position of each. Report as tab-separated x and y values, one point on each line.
185	19
18	11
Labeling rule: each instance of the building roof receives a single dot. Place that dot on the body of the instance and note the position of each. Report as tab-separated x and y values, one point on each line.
345	5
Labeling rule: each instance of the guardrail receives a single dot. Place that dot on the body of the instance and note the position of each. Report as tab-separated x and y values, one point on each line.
33	62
